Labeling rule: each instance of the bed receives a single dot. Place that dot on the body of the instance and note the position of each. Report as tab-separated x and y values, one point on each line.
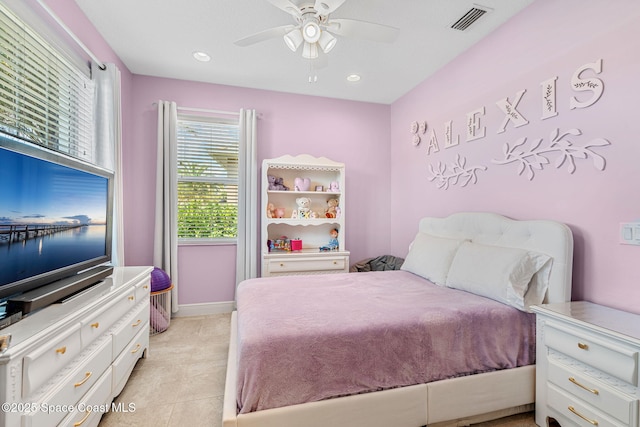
435	366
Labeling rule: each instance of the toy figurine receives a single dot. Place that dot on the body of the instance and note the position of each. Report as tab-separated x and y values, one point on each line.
333	244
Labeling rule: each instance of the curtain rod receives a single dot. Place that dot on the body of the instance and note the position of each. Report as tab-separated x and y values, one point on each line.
73	36
205	110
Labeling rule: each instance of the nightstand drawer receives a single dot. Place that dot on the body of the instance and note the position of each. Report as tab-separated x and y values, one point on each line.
575	411
593	392
306	264
608	356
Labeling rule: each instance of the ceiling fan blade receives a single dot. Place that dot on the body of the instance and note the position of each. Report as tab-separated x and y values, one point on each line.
364	30
264	35
286	5
325	7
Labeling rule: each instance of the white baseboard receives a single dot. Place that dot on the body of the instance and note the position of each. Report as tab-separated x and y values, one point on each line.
187	310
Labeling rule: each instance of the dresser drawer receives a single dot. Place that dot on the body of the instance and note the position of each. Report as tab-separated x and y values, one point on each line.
565	407
143	289
136	321
611	357
124	364
43	363
90	409
593	392
306	264
97	324
71	389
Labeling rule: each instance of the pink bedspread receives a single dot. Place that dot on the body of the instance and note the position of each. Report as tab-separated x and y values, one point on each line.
308	338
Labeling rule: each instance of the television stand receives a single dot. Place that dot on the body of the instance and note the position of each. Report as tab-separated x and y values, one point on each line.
73	358
55	291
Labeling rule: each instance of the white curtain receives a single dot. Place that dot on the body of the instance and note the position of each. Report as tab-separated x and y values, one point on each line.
247	248
108	145
165	250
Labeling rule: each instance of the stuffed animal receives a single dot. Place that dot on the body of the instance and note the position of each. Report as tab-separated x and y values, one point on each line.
304	204
271	211
334	187
332	208
276	183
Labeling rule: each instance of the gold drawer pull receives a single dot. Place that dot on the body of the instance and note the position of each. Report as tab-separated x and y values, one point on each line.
137	323
145	287
335	262
281	264
84	380
135	350
589	420
590	390
79	423
131	298
95	325
583	346
61	350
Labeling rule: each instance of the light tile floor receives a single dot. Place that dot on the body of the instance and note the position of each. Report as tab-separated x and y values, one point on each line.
181	382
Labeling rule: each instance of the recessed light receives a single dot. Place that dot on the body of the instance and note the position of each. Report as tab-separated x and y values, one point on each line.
353	77
201	56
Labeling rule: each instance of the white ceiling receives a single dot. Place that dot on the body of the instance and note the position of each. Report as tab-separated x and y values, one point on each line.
158	37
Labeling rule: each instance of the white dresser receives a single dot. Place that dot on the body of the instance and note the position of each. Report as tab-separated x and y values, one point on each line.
587	365
67	362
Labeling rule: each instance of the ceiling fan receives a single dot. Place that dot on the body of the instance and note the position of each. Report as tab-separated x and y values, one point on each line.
316	31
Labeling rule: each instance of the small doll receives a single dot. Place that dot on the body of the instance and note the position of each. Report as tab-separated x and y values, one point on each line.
333	244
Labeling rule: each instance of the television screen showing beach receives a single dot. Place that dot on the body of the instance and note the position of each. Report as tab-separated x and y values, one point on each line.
51	216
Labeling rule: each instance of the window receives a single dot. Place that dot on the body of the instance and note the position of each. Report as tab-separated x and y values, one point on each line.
45	98
207	179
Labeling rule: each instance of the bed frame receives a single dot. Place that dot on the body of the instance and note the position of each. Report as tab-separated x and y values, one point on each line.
457	401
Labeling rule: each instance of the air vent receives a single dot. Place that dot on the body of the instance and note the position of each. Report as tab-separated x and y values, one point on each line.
469	18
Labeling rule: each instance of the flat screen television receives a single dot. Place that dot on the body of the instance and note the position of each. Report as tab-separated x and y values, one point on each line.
55	219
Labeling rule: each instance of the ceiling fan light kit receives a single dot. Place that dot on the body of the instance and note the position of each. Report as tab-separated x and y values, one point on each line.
293	39
314	27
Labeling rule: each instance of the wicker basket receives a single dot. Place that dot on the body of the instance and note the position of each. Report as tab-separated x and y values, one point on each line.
160	311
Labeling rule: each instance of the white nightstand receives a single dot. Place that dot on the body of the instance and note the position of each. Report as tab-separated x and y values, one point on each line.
587	365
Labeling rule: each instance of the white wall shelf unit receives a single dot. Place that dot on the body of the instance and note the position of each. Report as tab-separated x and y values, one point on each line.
282	217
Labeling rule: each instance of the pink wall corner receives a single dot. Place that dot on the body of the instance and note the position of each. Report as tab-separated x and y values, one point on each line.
538	44
351	132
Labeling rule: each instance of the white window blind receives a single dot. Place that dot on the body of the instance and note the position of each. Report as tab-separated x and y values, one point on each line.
207	178
44	98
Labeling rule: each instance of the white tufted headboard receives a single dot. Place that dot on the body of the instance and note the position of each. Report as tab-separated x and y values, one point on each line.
544	236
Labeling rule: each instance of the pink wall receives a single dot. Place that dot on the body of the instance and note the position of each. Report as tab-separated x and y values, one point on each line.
547	39
351	132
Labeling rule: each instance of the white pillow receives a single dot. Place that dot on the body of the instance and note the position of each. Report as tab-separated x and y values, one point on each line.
430	257
500	273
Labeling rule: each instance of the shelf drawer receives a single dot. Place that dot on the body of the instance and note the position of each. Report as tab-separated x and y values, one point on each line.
43	363
306	264
565	407
593	392
610	357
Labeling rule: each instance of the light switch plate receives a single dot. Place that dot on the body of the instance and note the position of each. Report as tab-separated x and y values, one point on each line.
630	233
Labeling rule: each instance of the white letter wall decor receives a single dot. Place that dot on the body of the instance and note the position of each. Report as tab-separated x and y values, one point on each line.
534	157
511	113
549	98
473	125
448	135
433	143
594	85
